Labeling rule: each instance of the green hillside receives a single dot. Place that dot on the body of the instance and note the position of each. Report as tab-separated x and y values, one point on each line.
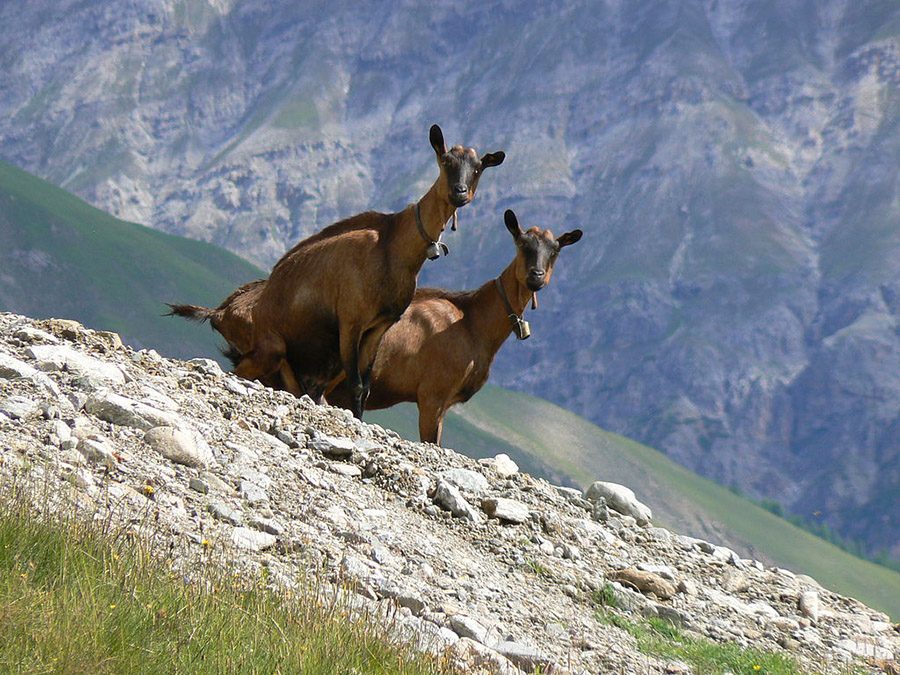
61	257
553	442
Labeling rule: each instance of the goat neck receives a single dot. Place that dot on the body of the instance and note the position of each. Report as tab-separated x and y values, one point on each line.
434	211
493	321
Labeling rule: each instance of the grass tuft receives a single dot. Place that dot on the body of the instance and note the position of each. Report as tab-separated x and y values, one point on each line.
74	598
660	638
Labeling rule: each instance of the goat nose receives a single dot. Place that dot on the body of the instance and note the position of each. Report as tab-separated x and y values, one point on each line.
460	188
535	272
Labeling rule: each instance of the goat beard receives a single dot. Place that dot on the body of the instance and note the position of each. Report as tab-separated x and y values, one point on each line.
534	301
455	222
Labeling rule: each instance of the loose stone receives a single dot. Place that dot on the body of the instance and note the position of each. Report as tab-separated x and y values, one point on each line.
505	510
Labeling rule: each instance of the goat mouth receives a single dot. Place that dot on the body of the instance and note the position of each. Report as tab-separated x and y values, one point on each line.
460	200
534	284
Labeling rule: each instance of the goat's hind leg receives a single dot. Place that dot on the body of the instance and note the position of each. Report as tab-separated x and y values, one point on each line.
350	340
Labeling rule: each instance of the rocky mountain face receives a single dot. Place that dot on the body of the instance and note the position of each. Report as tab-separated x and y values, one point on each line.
733	164
498	569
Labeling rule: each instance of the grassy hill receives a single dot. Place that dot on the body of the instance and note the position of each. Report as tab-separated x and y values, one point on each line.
61	257
550	441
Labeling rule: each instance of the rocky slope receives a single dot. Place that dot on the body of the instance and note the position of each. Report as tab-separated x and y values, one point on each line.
732	162
489	562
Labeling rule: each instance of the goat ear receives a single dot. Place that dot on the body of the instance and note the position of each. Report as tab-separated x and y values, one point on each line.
512	223
569	238
436	136
493	159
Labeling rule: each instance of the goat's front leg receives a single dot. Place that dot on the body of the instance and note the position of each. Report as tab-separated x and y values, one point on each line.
431	420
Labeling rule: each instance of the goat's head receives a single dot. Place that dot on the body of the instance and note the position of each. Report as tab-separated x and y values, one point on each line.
536	251
460	168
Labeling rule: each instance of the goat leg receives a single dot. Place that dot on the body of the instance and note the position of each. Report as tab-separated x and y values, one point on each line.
431	421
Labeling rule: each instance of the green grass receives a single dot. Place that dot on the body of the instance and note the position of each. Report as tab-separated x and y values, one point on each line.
61	257
538	434
74	599
657	637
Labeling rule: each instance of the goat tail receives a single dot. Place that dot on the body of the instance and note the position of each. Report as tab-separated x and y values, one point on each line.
191	312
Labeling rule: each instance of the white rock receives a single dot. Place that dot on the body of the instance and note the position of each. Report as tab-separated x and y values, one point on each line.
331	447
252	493
621	499
448	497
98	451
253	540
809	605
865	647
207	366
18	407
63	357
528	658
11	367
504	466
477	658
127	412
467	627
348	470
466	479
506	510
179	446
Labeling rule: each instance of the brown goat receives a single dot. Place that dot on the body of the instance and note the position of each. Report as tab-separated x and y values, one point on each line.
440	352
330	299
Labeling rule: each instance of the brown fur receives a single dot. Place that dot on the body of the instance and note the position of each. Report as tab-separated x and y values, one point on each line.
440	352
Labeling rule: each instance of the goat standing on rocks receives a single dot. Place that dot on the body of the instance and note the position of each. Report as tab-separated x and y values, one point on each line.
440	352
330	299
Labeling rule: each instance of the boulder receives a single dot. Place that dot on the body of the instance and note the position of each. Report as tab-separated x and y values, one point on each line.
449	498
127	412
621	499
63	357
179	446
253	540
506	510
645	582
466	480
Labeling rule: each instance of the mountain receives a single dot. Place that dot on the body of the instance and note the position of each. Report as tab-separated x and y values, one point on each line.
61	257
733	163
